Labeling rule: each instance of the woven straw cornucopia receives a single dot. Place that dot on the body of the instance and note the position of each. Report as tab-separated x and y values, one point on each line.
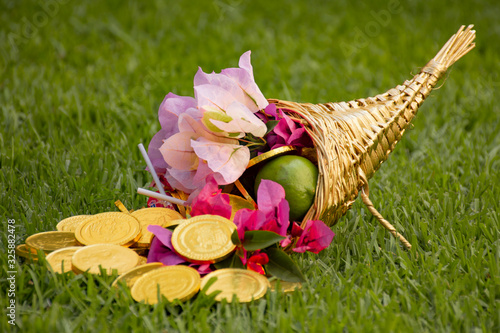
352	139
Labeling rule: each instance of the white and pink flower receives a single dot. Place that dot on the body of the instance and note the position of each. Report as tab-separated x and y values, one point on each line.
199	136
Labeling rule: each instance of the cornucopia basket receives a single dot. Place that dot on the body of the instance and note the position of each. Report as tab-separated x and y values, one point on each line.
352	139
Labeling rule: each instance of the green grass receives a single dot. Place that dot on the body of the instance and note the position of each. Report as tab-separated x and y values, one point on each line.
81	89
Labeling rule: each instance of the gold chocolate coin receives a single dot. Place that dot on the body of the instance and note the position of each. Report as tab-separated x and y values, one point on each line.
22	250
285	286
238	203
131	276
173	282
153	216
109	256
204	238
245	284
142	261
60	260
71	223
109	228
51	240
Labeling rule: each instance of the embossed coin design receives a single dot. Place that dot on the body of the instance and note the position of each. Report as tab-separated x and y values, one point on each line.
109	256
131	276
204	238
71	223
60	260
153	216
245	284
109	228
173	282
51	240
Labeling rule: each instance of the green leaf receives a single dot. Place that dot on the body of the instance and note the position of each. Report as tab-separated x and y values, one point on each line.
233	261
260	239
283	267
235	238
271	124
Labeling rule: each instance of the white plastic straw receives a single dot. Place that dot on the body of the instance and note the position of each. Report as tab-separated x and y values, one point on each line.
151	169
160	196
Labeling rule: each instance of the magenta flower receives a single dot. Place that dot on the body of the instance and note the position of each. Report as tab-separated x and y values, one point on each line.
316	237
272	215
211	201
288	132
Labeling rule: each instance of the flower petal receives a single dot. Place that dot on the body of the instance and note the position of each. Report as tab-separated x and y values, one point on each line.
269	196
178	153
161	247
227	159
170	109
154	152
243	121
248	219
211	201
316	237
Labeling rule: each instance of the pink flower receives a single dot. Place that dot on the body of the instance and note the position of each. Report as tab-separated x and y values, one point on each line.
295	233
288	132
199	135
273	212
211	201
232	84
170	110
316	237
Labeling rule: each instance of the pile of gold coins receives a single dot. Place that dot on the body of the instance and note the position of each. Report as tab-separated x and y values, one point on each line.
118	242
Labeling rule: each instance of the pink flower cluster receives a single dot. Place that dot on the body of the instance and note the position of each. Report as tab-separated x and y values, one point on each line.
199	136
273	215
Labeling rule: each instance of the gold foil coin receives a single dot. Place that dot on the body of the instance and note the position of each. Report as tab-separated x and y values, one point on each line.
131	276
246	285
204	238
173	282
22	250
60	260
153	216
109	228
238	203
142	261
71	223
51	240
109	256
285	286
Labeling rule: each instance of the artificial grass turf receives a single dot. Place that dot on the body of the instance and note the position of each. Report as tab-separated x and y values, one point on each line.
81	89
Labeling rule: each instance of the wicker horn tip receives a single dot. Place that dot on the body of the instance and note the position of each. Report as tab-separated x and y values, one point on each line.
457	46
